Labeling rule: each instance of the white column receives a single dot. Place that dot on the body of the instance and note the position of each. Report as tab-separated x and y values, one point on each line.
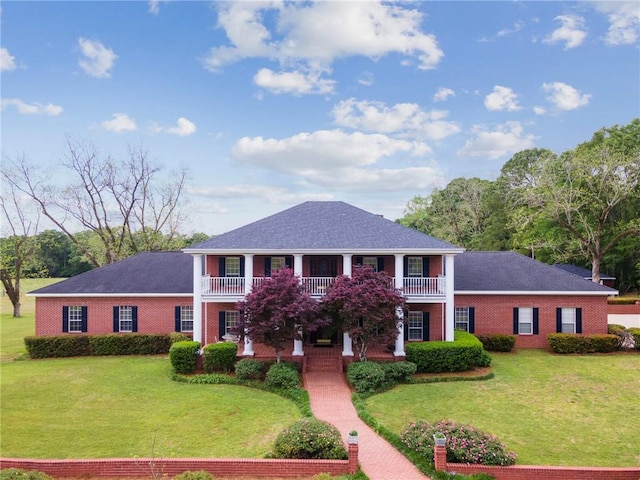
399	271
297	265
297	348
248	347
399	351
248	272
449	302
197	297
347	344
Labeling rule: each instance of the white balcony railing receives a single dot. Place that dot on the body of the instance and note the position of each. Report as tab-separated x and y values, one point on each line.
317	286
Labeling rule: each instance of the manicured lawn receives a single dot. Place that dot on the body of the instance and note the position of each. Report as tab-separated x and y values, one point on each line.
550	409
95	407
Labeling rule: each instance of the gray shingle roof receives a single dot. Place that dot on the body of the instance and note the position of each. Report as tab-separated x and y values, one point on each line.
580	271
145	273
323	225
512	272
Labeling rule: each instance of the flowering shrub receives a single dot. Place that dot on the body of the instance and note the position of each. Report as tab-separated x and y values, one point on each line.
365	377
309	438
465	444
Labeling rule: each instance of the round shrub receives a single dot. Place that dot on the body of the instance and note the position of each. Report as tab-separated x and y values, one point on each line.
309	438
184	356
219	357
249	369
196	475
484	360
497	342
465	444
282	376
20	474
365	377
398	371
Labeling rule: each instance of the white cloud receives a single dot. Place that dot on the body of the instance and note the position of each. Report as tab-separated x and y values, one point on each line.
310	37
502	98
565	97
7	61
517	26
267	193
183	128
154	6
442	94
296	82
624	21
97	59
571	32
507	138
405	119
366	79
539	110
119	123
31	108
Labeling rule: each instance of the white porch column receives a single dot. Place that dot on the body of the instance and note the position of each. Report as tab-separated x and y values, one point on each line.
398	278
197	298
248	272
449	302
248	347
399	351
347	344
297	264
297	348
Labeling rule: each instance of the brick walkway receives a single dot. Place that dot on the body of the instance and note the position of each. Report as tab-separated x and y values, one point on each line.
331	401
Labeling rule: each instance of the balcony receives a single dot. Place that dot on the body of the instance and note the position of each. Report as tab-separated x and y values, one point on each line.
234	287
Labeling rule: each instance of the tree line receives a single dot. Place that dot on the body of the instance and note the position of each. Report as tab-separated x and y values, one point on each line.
580	207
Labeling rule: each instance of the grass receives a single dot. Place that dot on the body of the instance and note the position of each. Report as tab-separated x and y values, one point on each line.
550	409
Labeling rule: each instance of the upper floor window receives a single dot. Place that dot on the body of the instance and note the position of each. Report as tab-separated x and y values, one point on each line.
371	261
277	263
414	267
232	267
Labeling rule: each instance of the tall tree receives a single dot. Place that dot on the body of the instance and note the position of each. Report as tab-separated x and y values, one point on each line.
365	306
126	203
277	311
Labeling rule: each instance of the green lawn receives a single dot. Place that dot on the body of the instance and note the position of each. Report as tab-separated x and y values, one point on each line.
550	409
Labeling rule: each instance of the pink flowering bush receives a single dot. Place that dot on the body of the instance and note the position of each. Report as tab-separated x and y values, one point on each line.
309	438
465	444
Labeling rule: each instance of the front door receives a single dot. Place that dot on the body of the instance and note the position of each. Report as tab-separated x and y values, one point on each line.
324	337
323	266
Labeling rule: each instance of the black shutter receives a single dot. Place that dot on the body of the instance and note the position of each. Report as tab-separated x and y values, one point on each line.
358	260
579	320
405	266
242	266
536	327
558	320
65	319
515	321
221	325
85	316
406	326
267	266
134	319
425	326
425	266
288	261
472	320
116	319
222	262
380	264
178	318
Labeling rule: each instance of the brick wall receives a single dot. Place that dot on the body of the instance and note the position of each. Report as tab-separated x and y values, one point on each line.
494	314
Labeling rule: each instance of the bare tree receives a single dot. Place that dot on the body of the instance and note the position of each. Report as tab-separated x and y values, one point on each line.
126	204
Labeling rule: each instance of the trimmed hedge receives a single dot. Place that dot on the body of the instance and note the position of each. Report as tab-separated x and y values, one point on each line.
84	345
282	375
250	369
309	438
220	357
463	353
184	356
497	342
571	343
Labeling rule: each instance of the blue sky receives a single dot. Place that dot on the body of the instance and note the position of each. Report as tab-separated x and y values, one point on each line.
269	104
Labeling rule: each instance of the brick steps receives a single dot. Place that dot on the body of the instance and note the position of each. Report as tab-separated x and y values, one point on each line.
323	359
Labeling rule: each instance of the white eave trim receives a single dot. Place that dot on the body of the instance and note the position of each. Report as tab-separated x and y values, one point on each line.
326	251
108	295
534	292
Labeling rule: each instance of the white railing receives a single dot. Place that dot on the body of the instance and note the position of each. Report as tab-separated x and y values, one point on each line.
317	286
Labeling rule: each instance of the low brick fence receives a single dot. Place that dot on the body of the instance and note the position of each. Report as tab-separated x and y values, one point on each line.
152	467
535	472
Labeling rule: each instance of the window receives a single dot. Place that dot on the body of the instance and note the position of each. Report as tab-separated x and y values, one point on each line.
371	261
414	267
462	318
525	321
414	324
569	320
186	318
75	319
125	318
232	267
231	318
277	263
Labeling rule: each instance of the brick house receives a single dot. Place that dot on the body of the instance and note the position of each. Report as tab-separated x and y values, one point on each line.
446	288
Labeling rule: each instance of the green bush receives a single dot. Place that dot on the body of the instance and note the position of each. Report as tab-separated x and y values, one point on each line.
197	475
462	354
58	346
484	360
110	344
614	328
20	474
365	377
465	444
184	356
635	333
497	342
570	343
250	369
309	438
283	376
220	357
398	372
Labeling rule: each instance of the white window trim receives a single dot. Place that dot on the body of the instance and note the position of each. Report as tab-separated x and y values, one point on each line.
572	323
411	269
235	272
417	317
520	322
277	263
128	309
186	310
230	316
74	316
465	311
